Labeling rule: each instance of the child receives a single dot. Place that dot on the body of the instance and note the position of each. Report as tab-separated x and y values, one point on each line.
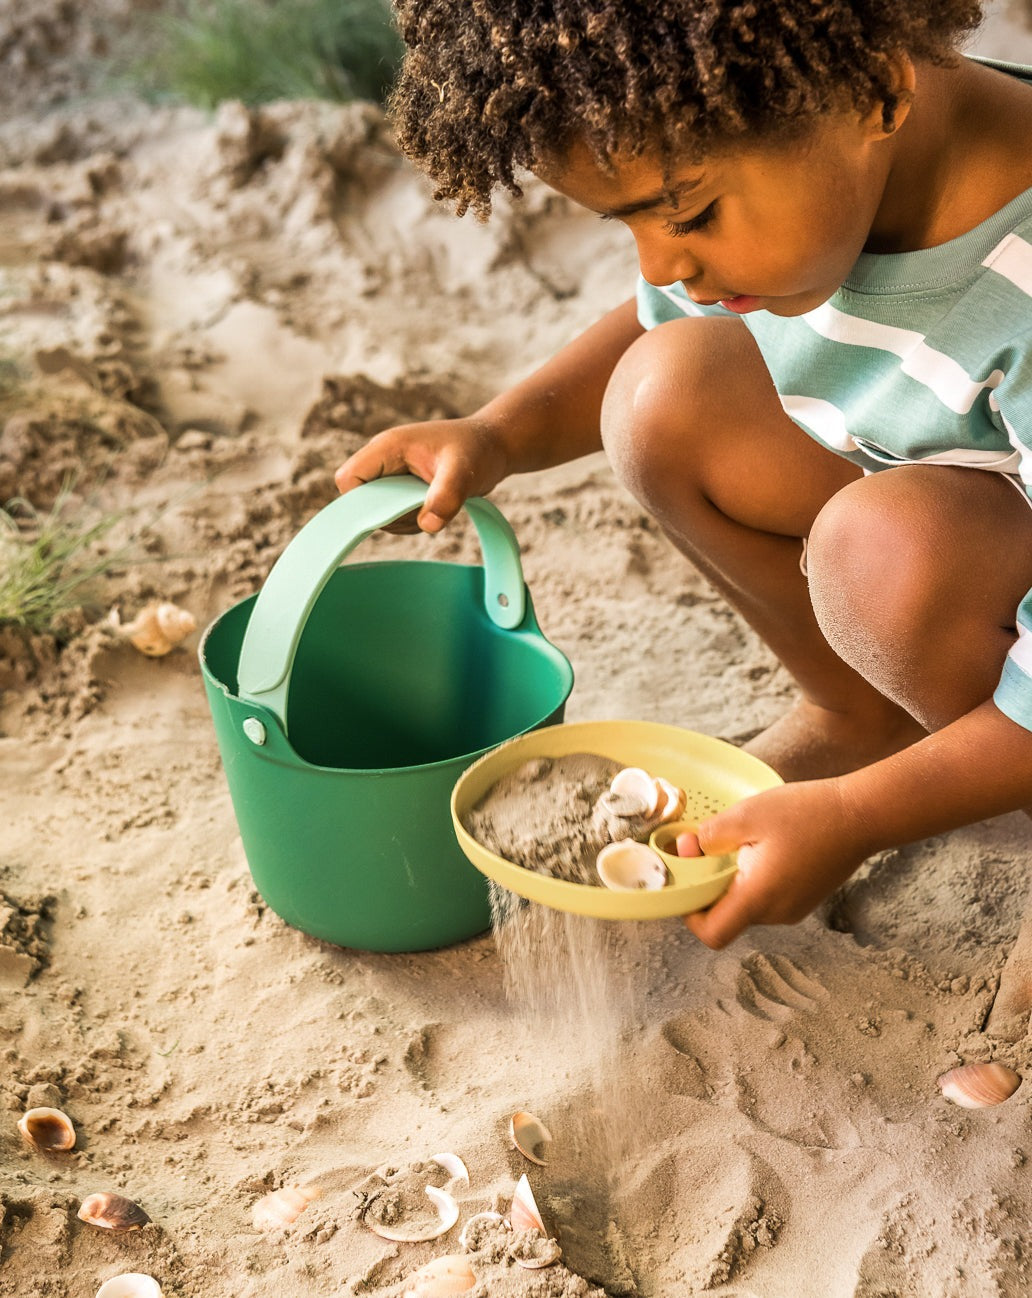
833	219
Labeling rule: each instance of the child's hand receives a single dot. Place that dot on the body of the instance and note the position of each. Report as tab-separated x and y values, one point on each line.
795	845
459	458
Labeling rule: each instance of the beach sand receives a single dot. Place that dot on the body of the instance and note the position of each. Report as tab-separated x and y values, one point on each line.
201	317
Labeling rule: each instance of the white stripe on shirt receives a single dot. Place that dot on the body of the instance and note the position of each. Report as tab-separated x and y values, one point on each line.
827	421
1012	258
932	369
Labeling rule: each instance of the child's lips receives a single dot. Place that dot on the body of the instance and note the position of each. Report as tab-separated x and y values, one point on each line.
742	304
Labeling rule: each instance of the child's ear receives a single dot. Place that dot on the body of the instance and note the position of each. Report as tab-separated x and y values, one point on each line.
888	114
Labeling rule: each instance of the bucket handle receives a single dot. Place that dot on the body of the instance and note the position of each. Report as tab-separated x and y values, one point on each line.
310	560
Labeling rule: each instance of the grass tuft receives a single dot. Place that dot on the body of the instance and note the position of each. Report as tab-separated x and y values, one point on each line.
48	562
260	50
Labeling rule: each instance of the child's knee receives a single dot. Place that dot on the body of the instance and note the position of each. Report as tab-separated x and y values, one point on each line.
663	396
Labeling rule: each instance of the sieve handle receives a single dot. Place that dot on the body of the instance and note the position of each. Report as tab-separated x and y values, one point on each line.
310	560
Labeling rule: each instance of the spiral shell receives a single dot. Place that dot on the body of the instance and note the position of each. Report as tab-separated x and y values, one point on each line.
47	1129
157	628
977	1086
283	1207
112	1212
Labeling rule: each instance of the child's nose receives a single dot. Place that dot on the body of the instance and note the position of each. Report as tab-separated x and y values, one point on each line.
664	259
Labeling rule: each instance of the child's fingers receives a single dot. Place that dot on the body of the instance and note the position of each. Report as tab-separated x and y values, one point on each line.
724	920
724	832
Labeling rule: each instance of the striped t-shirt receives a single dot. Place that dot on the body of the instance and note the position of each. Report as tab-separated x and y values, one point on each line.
920	357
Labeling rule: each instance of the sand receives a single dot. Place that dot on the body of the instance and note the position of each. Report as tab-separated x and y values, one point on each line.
201	316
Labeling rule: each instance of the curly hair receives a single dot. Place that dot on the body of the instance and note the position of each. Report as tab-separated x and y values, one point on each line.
488	87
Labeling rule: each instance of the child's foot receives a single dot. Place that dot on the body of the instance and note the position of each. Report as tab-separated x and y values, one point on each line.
1009	1016
810	742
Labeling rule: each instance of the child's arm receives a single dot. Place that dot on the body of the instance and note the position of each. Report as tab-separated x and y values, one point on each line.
550	417
799	842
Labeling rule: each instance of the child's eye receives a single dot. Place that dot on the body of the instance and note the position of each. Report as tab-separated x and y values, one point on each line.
698	222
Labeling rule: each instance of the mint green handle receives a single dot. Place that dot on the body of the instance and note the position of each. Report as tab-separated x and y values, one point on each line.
310	560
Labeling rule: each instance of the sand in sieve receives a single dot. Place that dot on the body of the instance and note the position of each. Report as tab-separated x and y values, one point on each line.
575	985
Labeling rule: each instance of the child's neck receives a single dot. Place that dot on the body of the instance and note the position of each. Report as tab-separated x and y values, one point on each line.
960	155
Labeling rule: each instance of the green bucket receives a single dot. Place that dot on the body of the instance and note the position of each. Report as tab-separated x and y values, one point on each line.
347	702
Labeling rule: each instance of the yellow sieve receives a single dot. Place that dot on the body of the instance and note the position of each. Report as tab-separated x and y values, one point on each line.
714	774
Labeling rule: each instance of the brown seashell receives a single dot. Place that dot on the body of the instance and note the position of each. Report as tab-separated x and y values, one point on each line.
112	1212
530	1136
444	1276
283	1207
524	1214
977	1086
157	628
47	1129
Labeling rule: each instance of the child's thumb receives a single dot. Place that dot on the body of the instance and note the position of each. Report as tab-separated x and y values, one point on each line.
723	832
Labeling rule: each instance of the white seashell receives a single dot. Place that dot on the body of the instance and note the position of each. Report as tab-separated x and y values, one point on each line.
455	1168
530	1136
546	1253
282	1207
134	1284
447	1216
466	1235
156	629
47	1129
112	1212
674	800
523	1213
628	866
441	1278
625	805
977	1086
633	782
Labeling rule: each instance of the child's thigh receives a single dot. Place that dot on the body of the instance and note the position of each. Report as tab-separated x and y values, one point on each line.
691	411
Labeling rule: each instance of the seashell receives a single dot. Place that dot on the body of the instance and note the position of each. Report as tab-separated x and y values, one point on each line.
674	800
441	1278
546	1252
282	1207
455	1168
447	1216
466	1234
976	1086
47	1129
524	1214
633	782
134	1284
629	866
156	629
530	1136
625	805
112	1212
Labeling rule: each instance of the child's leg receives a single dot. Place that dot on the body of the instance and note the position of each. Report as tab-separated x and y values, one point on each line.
694	429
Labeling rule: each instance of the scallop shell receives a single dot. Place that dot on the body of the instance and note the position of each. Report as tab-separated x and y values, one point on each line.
282	1207
547	1252
524	1214
465	1235
633	782
157	628
530	1136
441	1278
628	866
134	1284
673	802
977	1086
447	1216
47	1129
112	1212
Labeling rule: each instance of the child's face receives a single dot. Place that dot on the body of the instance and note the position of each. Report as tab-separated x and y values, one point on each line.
771	227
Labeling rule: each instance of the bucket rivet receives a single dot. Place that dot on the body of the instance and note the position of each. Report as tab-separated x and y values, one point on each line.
503	600
254	730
